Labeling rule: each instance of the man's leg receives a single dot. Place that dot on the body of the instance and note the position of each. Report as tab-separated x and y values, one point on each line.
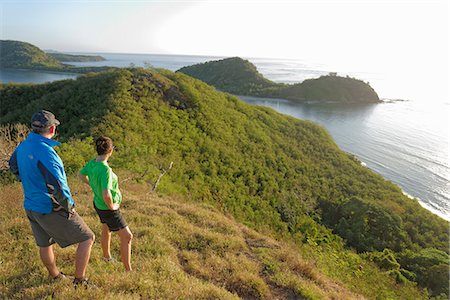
43	242
125	247
82	257
106	241
48	258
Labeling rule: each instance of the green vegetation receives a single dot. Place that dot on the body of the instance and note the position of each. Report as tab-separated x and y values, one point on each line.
63	57
22	55
237	76
281	176
330	88
233	75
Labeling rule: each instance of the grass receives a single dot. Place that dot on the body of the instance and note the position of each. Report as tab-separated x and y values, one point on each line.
181	250
185	250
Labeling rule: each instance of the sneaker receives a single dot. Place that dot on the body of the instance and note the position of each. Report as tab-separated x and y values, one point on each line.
83	282
60	276
111	259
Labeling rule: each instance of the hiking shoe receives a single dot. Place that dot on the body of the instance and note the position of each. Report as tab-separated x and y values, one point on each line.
60	276
111	259
83	282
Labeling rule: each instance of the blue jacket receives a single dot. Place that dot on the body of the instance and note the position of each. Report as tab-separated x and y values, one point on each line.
41	171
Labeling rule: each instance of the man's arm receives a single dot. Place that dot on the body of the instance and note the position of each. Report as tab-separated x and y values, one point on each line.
13	167
52	170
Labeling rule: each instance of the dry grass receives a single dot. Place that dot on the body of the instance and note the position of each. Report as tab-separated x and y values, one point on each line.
11	135
181	250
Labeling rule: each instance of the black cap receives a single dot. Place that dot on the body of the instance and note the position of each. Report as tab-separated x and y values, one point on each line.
43	119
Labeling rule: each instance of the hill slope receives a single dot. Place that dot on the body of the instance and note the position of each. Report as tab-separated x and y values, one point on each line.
180	250
237	76
277	174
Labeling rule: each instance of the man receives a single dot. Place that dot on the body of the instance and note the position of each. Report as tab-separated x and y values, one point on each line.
48	203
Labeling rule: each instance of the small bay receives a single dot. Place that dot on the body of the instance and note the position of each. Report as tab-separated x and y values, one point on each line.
32	76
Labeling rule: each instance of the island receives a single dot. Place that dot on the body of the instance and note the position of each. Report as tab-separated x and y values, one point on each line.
240	77
64	57
22	55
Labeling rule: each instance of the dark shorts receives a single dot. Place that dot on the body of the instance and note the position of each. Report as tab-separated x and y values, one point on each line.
112	218
61	227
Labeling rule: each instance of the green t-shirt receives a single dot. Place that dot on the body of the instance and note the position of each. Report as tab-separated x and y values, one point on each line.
101	177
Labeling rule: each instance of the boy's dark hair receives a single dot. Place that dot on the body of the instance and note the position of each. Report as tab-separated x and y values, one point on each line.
103	145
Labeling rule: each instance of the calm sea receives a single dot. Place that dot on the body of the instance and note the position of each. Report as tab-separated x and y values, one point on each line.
407	142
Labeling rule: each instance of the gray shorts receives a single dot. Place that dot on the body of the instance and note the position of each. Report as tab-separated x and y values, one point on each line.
61	227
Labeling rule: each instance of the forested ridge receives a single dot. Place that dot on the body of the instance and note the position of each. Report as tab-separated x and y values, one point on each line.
277	174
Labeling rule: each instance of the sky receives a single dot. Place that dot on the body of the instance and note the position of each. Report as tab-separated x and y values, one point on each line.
355	35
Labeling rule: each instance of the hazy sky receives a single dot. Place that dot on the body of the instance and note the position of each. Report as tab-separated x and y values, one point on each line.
359	34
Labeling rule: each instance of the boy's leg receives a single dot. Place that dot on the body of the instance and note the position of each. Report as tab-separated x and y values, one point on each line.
106	241
125	247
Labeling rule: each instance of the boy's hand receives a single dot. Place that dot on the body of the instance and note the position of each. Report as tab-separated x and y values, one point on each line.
83	178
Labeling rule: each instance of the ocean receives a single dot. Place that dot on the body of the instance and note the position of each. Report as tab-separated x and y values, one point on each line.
406	139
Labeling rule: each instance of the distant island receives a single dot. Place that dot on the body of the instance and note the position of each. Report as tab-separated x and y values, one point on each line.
63	57
22	55
238	76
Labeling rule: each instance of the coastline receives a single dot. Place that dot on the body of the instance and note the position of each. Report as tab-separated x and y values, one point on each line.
428	207
365	144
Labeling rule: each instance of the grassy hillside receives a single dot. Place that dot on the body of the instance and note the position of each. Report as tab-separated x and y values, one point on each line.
180	250
282	176
238	76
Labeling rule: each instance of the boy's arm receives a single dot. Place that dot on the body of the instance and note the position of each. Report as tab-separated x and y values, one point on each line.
107	197
83	178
